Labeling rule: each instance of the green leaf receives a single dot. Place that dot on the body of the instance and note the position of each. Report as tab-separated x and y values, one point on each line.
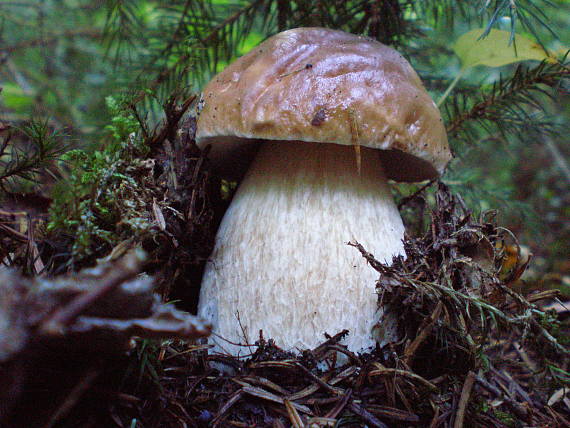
496	49
15	98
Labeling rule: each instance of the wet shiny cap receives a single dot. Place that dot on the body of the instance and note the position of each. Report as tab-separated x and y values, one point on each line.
326	86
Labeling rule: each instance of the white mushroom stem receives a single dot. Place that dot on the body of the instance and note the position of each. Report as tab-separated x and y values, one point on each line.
281	262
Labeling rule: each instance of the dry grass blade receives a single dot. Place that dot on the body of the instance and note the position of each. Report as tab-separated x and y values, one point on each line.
514	387
366	415
465	394
518	409
404	373
342	349
227	405
346	373
305	392
191	348
294	416
265	395
425	330
335	411
14	234
543	295
392	413
322	349
320	382
272	364
402	395
258	380
311	389
240	382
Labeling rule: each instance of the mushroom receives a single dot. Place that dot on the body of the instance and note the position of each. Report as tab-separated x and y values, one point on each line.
327	117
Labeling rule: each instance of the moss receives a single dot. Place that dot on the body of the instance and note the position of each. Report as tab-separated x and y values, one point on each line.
104	199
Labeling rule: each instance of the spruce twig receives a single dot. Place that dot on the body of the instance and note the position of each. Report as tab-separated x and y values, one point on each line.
506	105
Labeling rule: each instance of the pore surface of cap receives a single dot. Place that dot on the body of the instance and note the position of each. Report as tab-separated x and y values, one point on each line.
326	86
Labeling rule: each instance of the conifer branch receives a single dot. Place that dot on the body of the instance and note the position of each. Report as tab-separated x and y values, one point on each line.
26	162
214	43
528	13
508	98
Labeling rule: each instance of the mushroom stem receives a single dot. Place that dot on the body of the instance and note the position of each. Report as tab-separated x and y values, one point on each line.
281	262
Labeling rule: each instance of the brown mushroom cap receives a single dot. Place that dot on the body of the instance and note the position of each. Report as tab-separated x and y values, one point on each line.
327	86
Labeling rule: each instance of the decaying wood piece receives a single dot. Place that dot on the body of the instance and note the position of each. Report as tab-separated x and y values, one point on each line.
109	300
13	338
99	309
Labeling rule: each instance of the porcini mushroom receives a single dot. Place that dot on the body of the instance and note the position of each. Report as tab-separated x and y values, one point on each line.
304	105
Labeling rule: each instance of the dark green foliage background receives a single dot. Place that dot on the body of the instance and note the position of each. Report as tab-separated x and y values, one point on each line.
60	60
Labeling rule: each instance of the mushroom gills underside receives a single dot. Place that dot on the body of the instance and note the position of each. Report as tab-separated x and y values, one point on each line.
281	263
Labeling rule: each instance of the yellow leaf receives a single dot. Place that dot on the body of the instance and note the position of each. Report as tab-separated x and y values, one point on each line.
495	50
